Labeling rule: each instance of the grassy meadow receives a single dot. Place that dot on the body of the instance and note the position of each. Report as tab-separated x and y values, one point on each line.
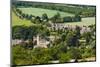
85	21
17	21
40	11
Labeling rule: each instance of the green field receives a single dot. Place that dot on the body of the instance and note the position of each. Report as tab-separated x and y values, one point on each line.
17	21
40	11
85	21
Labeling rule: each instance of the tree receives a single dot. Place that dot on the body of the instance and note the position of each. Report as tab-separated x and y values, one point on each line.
71	39
19	11
23	15
42	55
37	19
44	17
20	56
26	16
64	57
56	18
19	32
87	36
75	53
77	18
67	19
88	52
78	31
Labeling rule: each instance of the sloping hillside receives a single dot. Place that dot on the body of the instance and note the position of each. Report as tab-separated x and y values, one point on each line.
17	21
40	11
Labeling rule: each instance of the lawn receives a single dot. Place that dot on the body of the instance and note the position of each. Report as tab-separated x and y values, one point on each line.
40	11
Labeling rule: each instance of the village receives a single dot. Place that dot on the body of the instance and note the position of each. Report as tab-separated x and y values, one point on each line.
43	43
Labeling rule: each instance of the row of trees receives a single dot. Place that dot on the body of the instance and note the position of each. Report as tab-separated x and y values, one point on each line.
22	15
58	19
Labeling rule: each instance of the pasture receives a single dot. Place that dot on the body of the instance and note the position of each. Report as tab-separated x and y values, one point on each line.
40	11
85	21
17	21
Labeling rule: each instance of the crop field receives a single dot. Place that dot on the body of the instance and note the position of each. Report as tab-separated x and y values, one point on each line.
85	21
40	11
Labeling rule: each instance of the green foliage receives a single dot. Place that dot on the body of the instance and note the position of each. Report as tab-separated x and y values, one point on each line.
83	10
56	18
20	56
50	13
42	55
45	17
87	36
35	56
64	57
54	53
19	32
72	39
24	32
64	48
88	53
67	19
74	53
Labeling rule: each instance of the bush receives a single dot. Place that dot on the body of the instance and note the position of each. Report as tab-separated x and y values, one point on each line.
75	53
67	19
64	57
20	56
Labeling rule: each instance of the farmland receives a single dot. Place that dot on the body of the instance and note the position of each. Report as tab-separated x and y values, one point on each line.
40	11
50	13
17	21
85	21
